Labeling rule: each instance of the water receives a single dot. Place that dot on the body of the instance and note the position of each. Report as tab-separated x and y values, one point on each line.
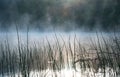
35	37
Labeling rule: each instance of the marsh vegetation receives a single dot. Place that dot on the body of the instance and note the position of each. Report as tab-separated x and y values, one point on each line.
61	56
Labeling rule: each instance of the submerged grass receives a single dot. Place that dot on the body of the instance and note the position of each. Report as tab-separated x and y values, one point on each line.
100	55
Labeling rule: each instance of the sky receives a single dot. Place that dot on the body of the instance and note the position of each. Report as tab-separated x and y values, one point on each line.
62	15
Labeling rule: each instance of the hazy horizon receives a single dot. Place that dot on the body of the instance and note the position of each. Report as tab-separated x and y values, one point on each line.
62	15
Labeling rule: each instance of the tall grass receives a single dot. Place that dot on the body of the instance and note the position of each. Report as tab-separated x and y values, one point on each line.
97	57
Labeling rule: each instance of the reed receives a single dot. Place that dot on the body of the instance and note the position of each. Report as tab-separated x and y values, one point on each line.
102	54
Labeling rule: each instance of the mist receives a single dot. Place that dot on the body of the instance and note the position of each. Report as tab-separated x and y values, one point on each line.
59	38
60	15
